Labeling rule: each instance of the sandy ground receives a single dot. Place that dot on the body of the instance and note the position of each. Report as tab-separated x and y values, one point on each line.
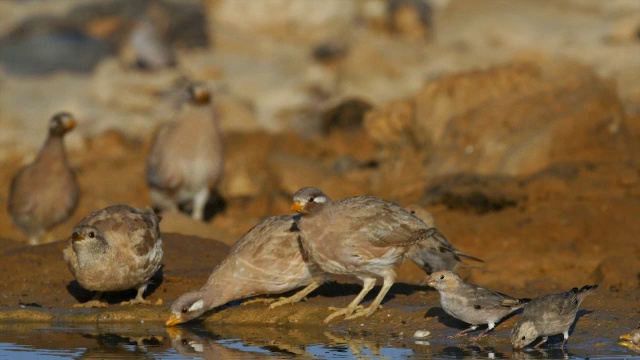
568	231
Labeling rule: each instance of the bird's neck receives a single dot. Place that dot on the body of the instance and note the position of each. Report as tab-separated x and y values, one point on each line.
53	148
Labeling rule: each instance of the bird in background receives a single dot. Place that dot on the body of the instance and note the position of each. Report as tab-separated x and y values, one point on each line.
45	193
147	47
265	260
471	303
437	259
115	249
549	315
363	236
186	159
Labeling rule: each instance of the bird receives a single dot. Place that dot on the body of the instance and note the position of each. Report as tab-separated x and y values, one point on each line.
362	236
186	159
115	249
148	47
631	340
433	260
548	315
45	193
471	303
267	259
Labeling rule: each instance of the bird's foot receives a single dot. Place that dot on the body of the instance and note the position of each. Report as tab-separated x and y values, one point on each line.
136	301
457	335
286	300
366	312
92	304
258	300
341	311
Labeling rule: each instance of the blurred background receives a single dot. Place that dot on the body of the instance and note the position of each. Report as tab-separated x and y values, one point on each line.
517	123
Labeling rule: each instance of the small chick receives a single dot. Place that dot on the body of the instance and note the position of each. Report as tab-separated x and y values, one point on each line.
45	192
186	160
631	340
471	303
433	260
115	249
549	315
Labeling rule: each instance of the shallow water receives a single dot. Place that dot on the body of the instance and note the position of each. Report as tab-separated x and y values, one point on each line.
25	341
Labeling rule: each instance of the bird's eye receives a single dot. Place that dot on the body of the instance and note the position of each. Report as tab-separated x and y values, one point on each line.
441	277
311	199
92	234
185	310
524	337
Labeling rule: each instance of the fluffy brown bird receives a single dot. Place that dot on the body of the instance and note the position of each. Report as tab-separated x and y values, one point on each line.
362	236
471	303
115	249
45	192
433	260
186	159
265	260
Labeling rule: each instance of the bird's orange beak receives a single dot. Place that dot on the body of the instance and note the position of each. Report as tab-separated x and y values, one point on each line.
70	124
76	236
627	337
172	321
297	207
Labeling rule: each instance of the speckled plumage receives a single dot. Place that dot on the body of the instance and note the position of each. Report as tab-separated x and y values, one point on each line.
549	315
265	260
186	160
45	192
115	249
361	236
471	303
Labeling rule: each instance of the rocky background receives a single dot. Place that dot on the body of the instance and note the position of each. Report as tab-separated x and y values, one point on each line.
516	123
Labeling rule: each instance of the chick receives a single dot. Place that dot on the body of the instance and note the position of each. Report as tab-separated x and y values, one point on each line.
471	303
45	192
115	249
549	315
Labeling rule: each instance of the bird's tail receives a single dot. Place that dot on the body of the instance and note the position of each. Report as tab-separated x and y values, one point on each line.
584	291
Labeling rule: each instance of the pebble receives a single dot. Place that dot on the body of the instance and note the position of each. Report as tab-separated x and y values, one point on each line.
419	334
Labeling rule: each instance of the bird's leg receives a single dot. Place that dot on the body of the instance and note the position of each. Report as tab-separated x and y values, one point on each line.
367	285
463	332
199	202
389	279
94	302
490	326
138	299
295	297
261	300
566	337
544	340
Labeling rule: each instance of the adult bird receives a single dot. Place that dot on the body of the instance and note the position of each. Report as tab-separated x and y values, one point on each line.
363	236
45	193
186	159
265	260
115	249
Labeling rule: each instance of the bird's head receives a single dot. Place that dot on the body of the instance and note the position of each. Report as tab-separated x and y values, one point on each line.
309	200
523	334
443	280
187	307
61	123
198	94
87	237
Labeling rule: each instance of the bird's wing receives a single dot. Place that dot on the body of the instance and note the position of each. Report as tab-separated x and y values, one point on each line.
158	171
489	299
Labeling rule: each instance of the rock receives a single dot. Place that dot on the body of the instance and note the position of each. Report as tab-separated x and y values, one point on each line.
392	124
347	115
300	20
527	116
618	272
